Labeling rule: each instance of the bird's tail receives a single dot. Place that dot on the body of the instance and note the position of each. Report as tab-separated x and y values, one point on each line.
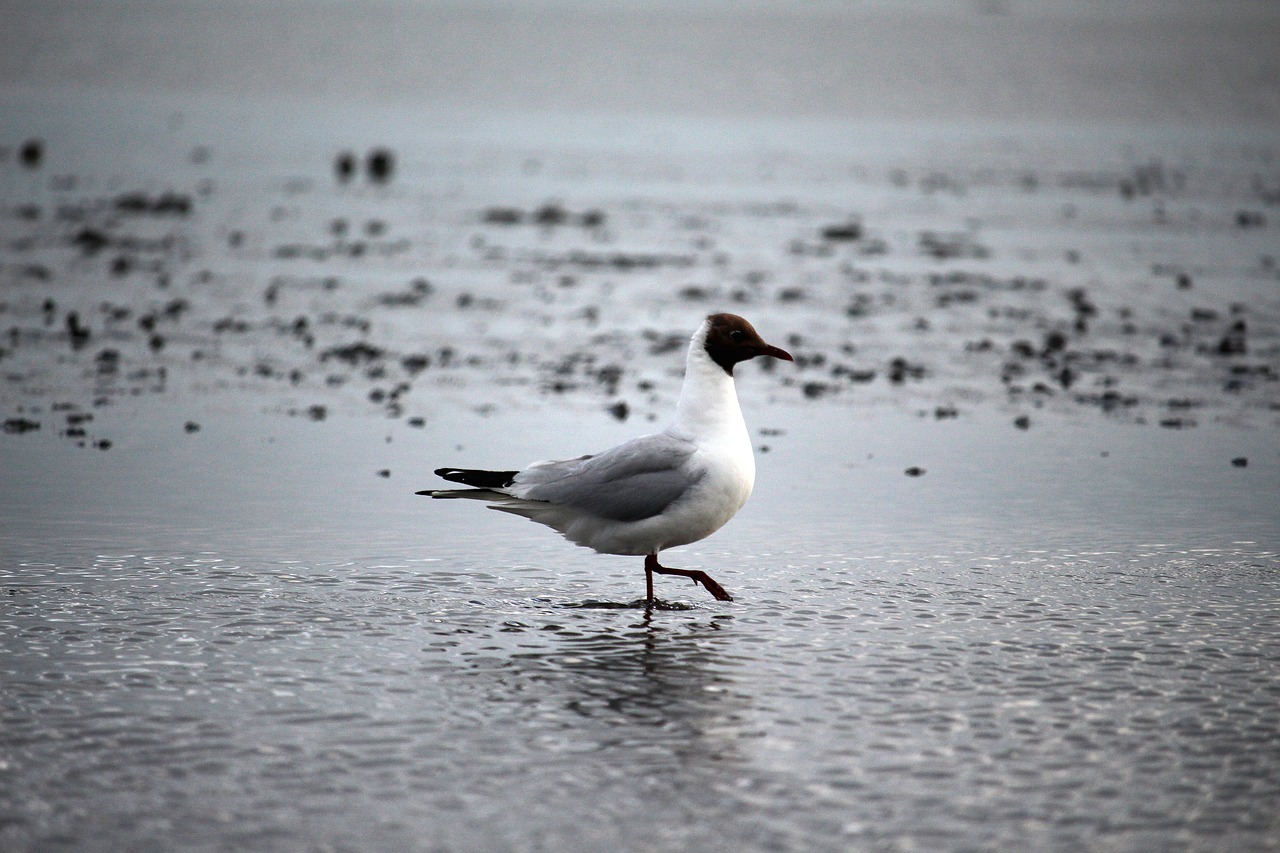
472	494
485	484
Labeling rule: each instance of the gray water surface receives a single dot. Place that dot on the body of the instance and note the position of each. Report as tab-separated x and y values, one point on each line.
1009	578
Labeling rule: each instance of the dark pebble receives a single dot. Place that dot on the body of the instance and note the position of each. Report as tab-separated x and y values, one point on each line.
380	164
385	473
846	232
502	216
620	410
90	240
344	165
814	390
914	471
31	153
191	426
1022	422
550	214
1240	461
1250	219
17	426
353	354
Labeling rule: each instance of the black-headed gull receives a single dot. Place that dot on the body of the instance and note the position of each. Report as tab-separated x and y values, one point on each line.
657	491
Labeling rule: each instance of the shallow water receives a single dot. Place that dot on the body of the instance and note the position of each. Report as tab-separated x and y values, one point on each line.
227	622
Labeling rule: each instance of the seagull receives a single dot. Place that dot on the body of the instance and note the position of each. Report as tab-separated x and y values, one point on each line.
654	492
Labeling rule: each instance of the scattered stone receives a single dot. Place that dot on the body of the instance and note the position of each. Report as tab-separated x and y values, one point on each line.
354	354
78	333
344	165
1250	219
550	214
502	216
31	154
814	390
165	204
845	232
18	426
379	165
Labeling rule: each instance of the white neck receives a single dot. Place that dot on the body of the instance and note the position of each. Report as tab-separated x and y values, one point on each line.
708	406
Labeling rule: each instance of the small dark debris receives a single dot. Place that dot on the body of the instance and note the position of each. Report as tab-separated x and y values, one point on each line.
90	241
620	410
814	390
502	216
914	471
846	232
344	165
416	363
550	214
354	354
31	153
385	473
1240	461
1250	219
164	204
380	164
901	370
18	426
1022	422
1233	342
78	332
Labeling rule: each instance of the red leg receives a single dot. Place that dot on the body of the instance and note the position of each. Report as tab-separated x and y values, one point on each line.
651	565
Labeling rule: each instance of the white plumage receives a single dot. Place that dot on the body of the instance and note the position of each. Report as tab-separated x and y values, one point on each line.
657	491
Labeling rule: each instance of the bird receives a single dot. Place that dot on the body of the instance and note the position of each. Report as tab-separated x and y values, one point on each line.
656	491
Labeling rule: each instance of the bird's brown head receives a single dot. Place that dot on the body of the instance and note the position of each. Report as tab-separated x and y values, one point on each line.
731	339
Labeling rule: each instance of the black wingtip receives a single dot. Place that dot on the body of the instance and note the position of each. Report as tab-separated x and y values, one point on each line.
478	479
426	492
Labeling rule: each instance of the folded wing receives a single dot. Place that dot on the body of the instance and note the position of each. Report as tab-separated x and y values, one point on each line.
631	482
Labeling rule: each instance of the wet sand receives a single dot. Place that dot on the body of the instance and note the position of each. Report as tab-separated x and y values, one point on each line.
1008	577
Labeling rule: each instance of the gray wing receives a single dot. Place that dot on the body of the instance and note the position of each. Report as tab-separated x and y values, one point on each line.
633	481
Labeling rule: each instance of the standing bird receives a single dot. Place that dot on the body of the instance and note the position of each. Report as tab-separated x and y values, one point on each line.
657	491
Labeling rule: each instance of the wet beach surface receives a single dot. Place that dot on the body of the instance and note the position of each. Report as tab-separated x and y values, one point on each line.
1009	578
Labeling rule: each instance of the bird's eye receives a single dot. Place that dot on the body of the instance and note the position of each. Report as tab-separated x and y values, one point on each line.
736	336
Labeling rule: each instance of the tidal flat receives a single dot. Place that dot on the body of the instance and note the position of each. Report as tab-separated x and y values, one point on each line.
1008	579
